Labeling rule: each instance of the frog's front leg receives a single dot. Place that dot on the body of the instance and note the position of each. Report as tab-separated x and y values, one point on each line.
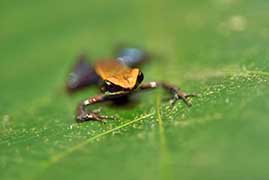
173	90
86	115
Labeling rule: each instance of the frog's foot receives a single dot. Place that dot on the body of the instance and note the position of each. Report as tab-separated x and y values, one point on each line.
182	95
92	116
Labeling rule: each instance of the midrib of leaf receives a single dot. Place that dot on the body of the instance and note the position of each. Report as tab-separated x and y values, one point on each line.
165	159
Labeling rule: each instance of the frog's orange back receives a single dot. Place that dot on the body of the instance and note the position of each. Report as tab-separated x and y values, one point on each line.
117	73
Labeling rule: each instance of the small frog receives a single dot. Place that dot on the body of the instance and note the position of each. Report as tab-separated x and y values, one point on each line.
118	78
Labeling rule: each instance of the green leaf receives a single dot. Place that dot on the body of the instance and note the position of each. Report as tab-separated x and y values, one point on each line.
217	49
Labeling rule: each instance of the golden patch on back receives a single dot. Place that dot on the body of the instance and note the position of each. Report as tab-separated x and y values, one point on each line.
117	73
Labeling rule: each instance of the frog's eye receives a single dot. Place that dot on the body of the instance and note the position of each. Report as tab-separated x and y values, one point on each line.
110	87
108	83
140	77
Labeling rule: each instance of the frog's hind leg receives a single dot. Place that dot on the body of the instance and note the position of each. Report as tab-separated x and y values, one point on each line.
131	56
82	75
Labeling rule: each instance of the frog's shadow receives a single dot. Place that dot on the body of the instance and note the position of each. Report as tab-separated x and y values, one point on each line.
124	102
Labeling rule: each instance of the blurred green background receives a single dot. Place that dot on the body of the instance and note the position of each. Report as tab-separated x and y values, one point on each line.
217	48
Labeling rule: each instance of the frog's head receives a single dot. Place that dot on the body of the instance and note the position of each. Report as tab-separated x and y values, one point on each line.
124	82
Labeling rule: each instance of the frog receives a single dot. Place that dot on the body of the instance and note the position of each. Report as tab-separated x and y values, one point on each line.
118	78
